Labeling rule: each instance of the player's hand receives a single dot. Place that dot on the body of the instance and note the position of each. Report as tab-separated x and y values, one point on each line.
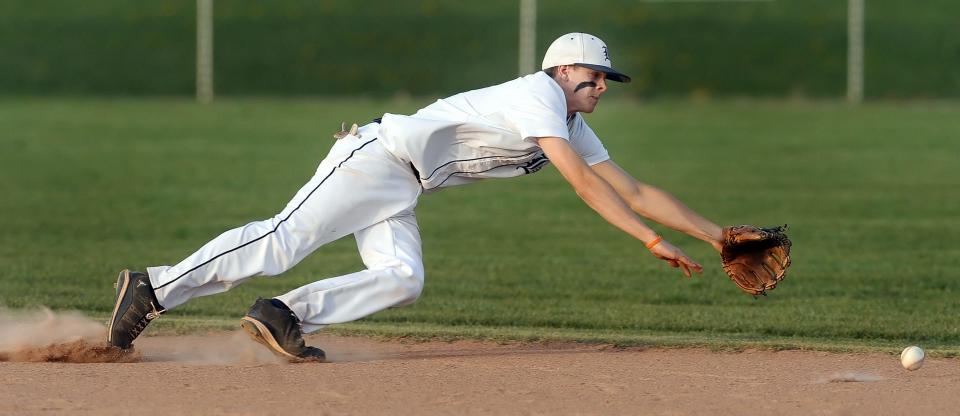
676	258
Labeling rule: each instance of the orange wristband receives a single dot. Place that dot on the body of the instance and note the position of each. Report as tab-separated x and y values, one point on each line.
655	241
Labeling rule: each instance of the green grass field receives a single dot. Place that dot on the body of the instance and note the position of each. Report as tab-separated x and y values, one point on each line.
91	186
333	47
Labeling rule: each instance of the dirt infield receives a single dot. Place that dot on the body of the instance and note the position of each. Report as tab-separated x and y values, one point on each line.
224	373
57	364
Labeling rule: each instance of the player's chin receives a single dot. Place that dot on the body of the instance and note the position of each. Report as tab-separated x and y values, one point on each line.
592	105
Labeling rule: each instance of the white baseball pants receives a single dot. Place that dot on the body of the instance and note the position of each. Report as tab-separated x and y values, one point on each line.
359	188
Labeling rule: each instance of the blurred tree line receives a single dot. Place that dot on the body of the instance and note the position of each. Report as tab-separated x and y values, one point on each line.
784	48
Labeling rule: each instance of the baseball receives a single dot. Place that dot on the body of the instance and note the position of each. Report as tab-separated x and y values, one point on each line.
912	357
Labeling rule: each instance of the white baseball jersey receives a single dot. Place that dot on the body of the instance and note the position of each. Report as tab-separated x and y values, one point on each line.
488	133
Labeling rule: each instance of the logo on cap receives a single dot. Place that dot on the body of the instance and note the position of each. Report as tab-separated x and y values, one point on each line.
606	53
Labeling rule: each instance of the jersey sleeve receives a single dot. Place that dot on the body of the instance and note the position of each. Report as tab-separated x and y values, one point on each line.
585	142
540	112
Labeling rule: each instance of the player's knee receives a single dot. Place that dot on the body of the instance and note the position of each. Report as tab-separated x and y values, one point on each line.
408	280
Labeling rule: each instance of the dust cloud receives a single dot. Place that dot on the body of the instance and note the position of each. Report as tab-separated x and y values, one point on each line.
41	335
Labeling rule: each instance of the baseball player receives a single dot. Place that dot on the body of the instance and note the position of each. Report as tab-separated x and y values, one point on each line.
368	186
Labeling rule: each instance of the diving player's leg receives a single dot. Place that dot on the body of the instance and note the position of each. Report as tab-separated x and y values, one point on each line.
392	253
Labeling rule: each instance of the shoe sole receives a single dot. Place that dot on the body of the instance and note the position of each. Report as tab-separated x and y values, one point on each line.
123	282
262	335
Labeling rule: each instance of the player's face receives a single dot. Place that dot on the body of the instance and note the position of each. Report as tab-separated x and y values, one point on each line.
583	88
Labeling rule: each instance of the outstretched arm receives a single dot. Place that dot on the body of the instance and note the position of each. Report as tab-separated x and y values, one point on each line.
658	205
606	201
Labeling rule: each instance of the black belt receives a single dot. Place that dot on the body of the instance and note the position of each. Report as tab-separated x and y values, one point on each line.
416	173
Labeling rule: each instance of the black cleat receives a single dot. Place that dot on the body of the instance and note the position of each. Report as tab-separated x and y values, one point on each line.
272	323
136	306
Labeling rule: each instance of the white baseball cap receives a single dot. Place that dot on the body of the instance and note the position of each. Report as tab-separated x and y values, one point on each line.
584	50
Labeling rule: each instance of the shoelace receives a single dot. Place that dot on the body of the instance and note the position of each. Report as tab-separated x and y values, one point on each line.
142	323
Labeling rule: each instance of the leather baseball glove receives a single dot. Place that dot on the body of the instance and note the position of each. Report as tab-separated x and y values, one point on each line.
756	259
